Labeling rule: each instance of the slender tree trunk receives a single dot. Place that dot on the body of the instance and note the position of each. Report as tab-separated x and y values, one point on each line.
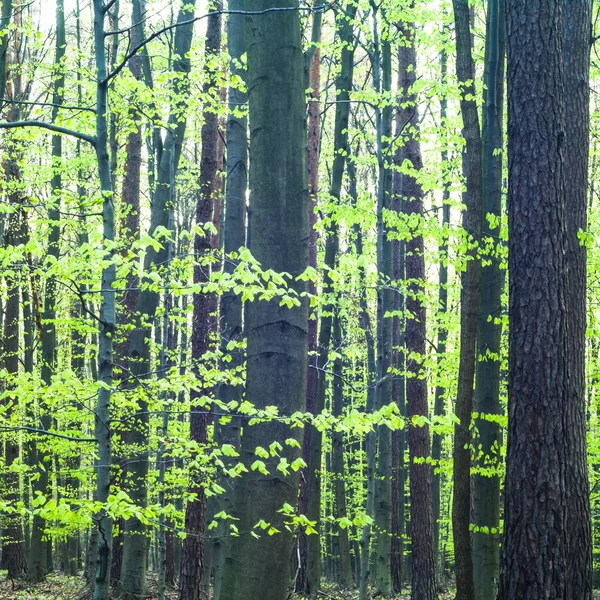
309	550
192	559
135	541
486	537
577	19
277	336
370	439
382	508
343	86
423	553
469	305
38	564
440	392
13	547
234	238
344	577
107	315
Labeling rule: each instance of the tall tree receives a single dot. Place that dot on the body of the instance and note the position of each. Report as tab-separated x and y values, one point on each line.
469	303
193	568
234	238
423	560
486	481
382	508
133	570
277	336
577	19
543	471
38	558
342	113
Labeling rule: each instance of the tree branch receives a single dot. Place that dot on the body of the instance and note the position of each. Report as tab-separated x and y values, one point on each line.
57	128
323	8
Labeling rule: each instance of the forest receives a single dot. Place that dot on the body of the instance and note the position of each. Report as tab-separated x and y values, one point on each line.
299	299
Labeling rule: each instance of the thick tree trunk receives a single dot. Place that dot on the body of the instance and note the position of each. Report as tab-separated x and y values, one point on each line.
486	537
469	305
277	336
423	559
535	550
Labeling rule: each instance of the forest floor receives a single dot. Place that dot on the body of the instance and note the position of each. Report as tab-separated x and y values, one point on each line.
60	587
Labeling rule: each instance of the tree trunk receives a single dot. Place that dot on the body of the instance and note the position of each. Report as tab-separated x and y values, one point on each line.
440	392
344	577
234	238
535	545
13	547
277	336
486	537
193	568
38	554
423	559
576	64
469	304
135	541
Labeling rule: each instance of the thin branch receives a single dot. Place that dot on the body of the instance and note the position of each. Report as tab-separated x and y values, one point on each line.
51	433
57	128
136	49
62	106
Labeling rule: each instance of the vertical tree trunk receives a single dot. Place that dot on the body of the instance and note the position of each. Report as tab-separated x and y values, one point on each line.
13	547
277	336
344	577
135	541
192	559
486	541
382	508
576	64
38	563
305	545
107	315
342	114
440	392
469	304
233	239
535	545
423	559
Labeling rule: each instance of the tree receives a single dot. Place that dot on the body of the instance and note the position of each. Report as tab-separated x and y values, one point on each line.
423	560
277	335
486	480
544	438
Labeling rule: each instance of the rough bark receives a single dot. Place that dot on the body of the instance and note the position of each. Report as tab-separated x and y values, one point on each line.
535	542
577	15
